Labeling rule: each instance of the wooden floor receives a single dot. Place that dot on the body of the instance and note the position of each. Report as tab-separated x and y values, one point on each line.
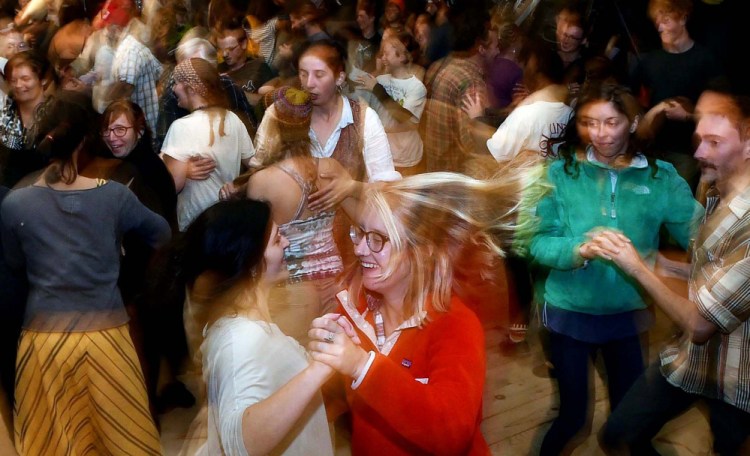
519	402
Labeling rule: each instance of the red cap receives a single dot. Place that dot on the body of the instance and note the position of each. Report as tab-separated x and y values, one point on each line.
116	12
400	3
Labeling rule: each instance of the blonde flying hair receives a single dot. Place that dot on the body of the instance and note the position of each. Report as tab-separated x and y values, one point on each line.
434	220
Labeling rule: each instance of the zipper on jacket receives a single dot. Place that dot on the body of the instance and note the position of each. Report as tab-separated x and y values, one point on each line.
613	181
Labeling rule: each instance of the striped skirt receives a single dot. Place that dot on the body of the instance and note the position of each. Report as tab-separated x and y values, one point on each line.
81	393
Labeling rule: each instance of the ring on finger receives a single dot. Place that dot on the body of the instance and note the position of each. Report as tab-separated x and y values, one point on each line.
329	338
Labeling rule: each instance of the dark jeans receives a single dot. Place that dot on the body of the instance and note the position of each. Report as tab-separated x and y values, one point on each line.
652	402
572	359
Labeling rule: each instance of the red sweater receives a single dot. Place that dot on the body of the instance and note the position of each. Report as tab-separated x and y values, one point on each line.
394	414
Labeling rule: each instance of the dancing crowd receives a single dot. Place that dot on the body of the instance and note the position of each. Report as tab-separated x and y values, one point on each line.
287	215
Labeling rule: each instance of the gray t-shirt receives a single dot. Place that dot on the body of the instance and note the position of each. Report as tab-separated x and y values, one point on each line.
69	243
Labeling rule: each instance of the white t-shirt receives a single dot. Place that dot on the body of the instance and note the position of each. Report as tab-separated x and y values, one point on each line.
245	362
410	93
190	135
529	127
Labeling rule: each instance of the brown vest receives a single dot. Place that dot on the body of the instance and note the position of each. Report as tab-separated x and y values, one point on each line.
349	149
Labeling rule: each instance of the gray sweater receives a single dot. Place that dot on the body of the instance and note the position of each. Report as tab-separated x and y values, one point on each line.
69	243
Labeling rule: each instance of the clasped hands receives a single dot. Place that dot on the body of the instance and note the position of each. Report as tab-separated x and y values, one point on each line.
335	343
612	246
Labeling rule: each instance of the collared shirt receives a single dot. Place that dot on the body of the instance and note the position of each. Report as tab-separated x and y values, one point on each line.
376	151
720	286
135	64
444	127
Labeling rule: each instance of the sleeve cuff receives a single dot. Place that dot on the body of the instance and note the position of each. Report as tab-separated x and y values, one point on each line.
386	176
361	377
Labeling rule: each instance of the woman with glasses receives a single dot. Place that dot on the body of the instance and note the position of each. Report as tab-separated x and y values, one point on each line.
125	155
132	160
415	379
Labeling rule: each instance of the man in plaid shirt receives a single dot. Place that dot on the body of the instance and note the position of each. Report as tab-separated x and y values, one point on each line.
711	361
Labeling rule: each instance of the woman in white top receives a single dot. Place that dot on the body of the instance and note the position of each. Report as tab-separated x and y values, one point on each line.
263	392
399	98
210	130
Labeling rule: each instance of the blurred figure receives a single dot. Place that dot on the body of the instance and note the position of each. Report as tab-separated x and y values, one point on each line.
169	109
52	228
363	52
399	97
288	176
309	19
590	306
671	79
209	131
249	73
135	71
418	356
444	127
538	118
263	392
702	364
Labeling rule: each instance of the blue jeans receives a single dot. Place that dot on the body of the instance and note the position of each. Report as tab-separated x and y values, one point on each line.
572	360
652	402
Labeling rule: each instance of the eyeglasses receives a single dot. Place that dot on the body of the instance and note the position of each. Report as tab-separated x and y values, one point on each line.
119	131
375	240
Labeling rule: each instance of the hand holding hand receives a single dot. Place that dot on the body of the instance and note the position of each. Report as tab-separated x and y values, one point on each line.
617	248
331	344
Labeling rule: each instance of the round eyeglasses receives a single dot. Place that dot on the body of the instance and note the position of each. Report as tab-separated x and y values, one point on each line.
119	131
375	240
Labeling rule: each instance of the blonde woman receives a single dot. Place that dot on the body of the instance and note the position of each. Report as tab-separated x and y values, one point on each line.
414	382
209	131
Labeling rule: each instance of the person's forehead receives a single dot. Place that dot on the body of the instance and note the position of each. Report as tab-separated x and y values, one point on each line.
228	41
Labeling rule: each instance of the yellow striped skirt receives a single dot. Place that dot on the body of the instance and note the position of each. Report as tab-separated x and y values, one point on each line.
81	393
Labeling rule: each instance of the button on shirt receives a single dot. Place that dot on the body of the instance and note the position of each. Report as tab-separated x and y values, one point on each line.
720	287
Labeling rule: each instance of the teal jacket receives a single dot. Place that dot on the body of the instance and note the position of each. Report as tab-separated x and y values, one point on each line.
633	201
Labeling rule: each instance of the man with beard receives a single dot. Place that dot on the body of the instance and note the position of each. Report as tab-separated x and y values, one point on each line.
710	360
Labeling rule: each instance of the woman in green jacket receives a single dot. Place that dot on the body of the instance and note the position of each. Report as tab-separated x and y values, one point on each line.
590	305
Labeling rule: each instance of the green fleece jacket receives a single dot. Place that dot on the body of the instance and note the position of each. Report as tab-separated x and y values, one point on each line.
633	201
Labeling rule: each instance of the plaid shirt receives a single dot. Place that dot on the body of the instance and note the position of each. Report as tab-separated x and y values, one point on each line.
720	287
444	126
135	64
